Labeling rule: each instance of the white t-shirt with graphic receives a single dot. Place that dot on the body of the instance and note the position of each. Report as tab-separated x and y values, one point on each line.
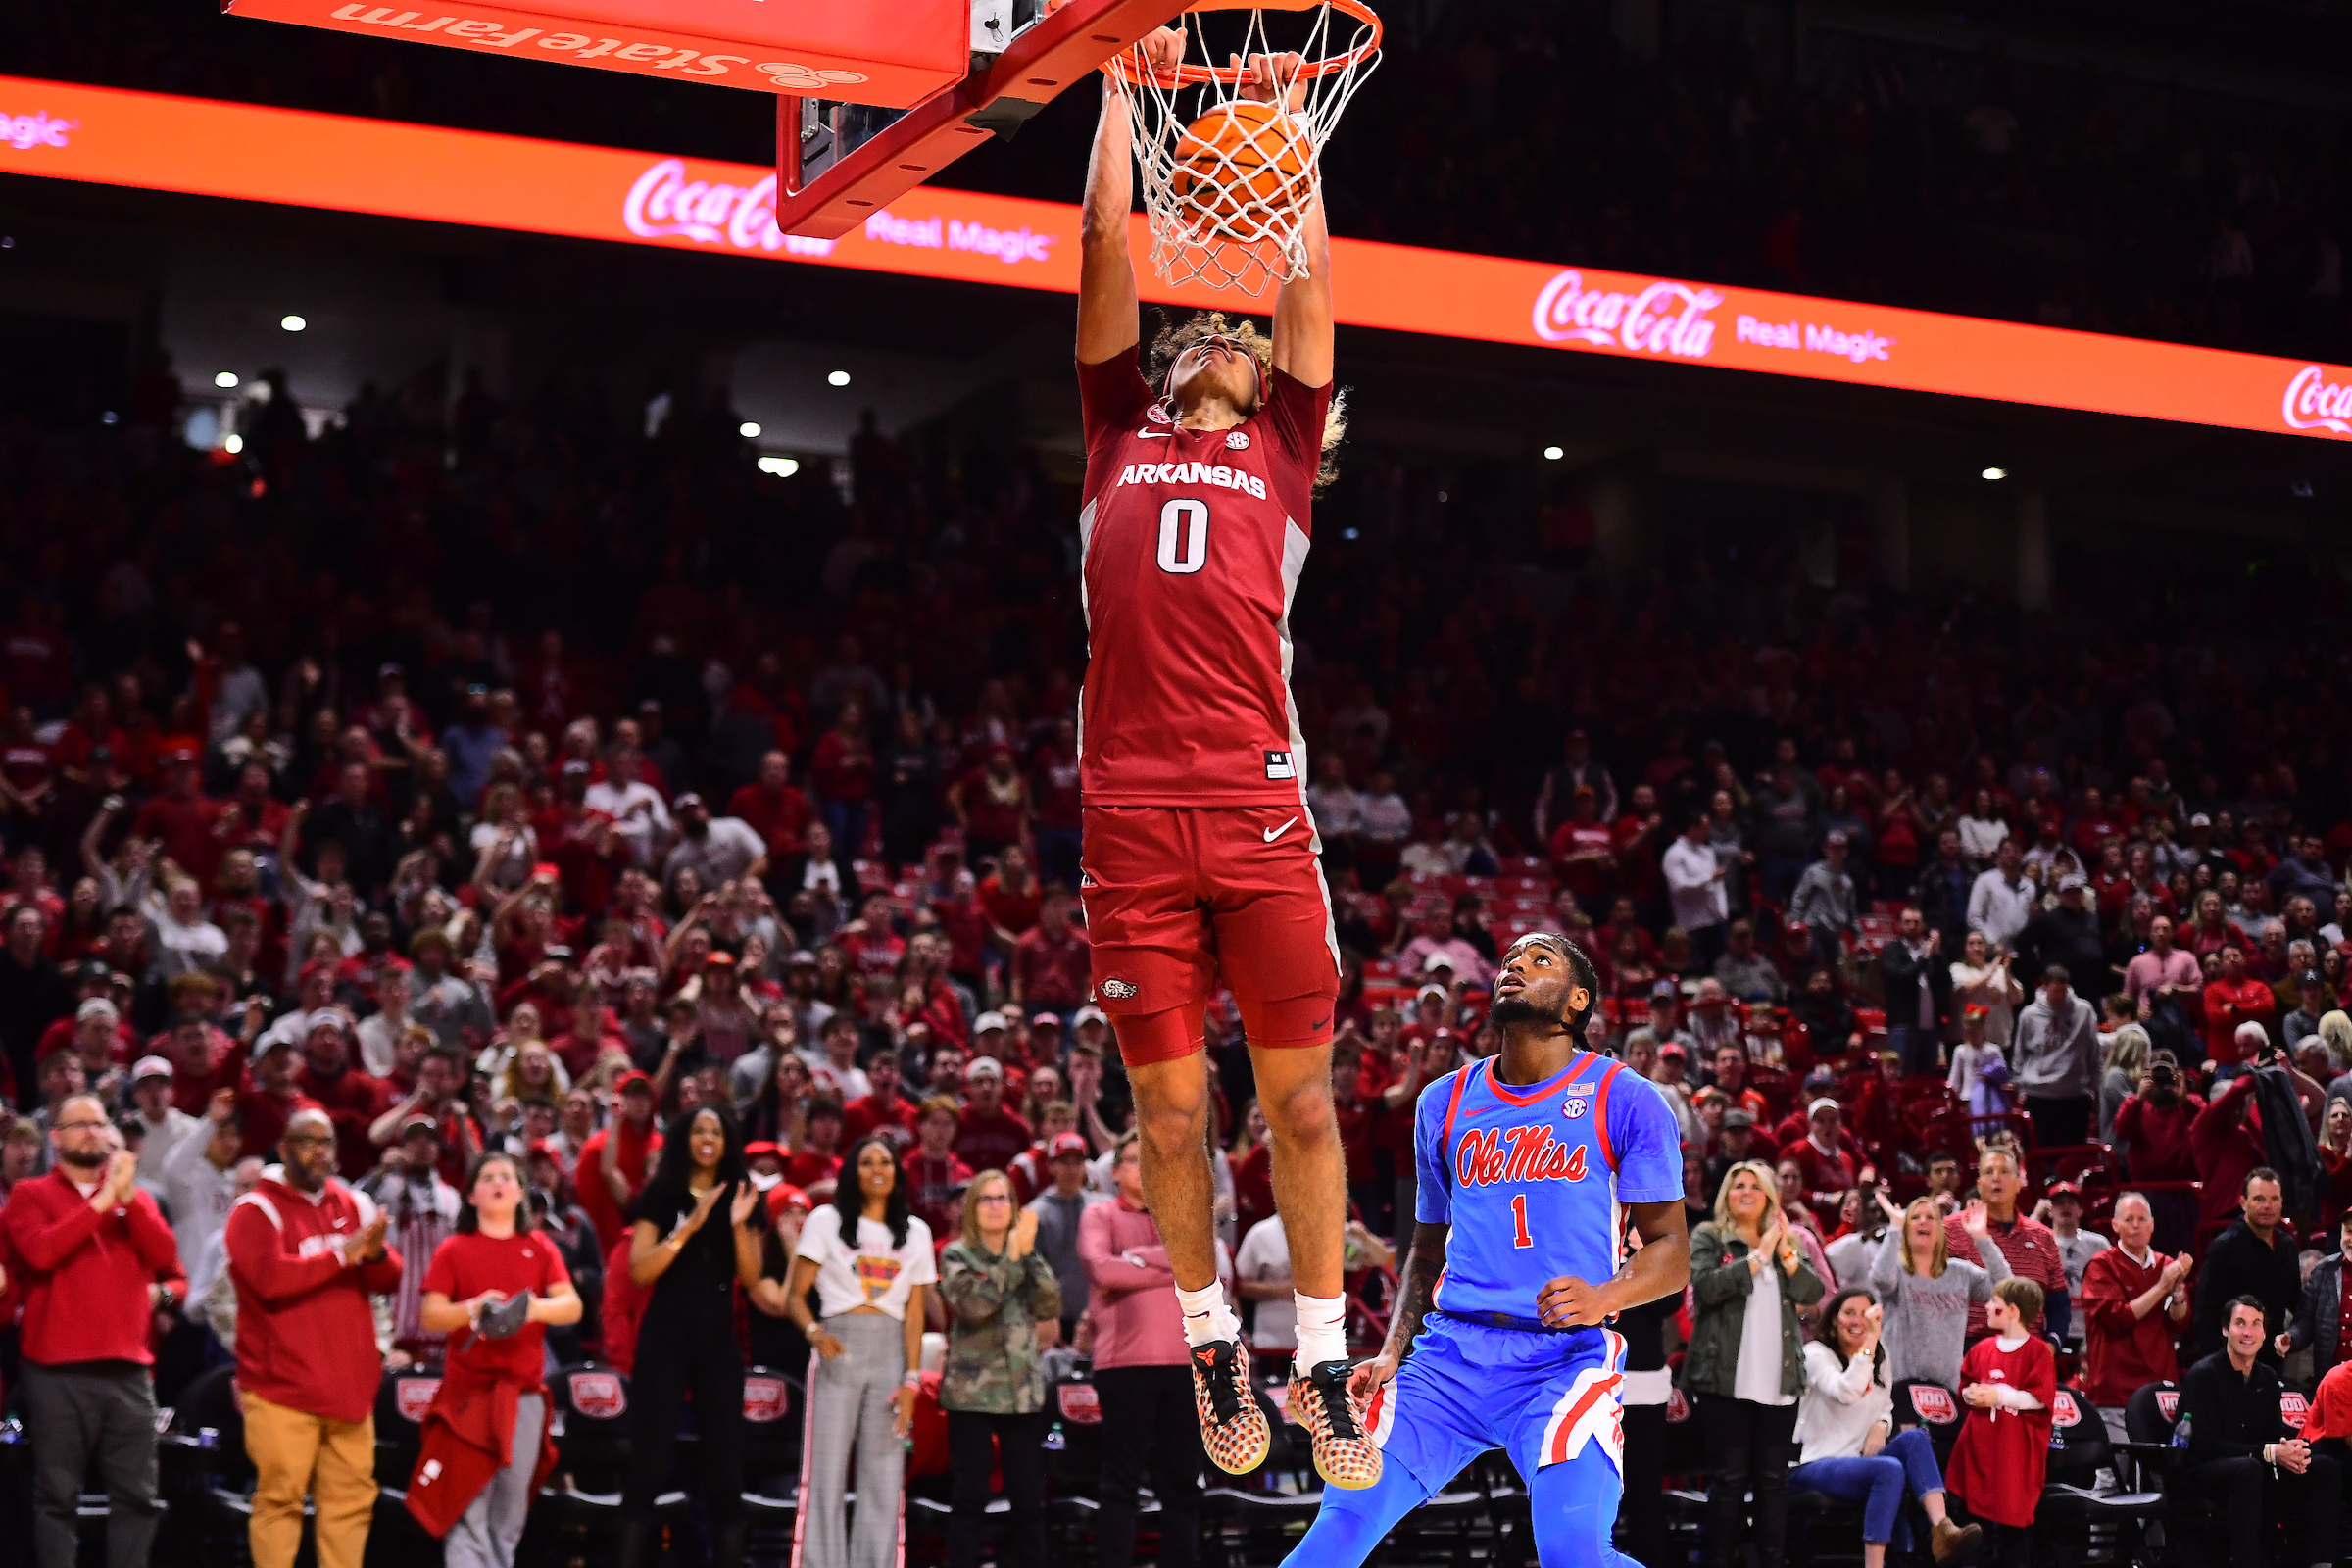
872	1272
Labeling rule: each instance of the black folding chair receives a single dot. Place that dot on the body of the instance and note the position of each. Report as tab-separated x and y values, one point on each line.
2086	1523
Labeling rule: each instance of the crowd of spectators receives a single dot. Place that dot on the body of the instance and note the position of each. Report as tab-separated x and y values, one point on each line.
1855	166
516	787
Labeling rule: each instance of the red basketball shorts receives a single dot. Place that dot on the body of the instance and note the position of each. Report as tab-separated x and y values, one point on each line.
1175	894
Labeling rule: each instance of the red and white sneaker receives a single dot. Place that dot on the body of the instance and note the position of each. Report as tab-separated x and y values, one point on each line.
1345	1455
1232	1425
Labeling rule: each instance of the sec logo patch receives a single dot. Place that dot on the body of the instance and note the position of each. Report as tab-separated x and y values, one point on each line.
1237	440
1576	1109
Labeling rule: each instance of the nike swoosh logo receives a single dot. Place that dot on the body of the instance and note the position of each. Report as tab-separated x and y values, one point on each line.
1153	435
1274	833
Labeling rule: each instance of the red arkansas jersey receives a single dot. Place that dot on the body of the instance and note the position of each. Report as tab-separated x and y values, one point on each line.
1192	541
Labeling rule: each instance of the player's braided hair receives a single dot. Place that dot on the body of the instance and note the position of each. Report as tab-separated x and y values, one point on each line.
1175	337
1580	968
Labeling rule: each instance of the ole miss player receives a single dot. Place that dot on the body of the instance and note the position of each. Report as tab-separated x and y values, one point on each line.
1531	1165
1199	853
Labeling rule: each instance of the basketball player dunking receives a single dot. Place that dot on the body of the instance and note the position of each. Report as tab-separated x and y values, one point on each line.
1199	853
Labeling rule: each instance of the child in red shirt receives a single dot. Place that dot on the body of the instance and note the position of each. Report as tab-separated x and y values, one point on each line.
2009	1382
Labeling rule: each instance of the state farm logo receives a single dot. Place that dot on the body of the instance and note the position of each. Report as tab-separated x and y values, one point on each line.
2314	402
1665	318
25	132
664	202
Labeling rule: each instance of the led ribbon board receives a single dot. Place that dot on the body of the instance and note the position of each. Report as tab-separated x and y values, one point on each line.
346	163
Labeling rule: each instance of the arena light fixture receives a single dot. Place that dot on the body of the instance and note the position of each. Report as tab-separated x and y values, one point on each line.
1997	474
226	380
749	429
1552	454
292	324
838	378
233	444
781	467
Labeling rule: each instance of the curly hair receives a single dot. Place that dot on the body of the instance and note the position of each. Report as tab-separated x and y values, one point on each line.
1174	337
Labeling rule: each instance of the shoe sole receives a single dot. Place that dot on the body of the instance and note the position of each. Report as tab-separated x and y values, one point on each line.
1349	1482
1263	1445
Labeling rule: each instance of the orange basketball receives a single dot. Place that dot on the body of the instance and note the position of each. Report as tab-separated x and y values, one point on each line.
1240	164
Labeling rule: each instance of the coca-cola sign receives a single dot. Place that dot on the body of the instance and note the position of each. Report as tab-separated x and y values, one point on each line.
663	203
2314	402
1665	318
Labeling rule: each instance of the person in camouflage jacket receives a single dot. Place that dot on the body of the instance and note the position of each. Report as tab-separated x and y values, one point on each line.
1003	1310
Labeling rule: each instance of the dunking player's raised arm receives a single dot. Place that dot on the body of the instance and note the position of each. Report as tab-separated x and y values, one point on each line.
1302	334
1106	302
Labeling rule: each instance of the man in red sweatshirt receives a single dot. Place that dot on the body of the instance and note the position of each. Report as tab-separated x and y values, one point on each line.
304	1253
95	1263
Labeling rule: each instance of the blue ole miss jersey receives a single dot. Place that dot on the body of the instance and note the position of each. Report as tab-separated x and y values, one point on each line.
1533	1180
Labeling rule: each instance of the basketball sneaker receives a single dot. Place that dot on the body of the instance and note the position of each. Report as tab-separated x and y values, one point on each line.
1232	1425
1344	1454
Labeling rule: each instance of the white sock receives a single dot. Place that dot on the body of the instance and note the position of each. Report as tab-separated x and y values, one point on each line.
1207	1317
1322	1329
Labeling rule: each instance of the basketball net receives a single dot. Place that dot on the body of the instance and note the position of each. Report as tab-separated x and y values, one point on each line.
1206	196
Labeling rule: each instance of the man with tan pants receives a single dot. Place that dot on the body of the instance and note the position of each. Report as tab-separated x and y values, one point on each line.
304	1253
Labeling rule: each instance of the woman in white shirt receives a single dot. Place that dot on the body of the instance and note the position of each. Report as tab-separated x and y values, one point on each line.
1981	830
1982	976
1848	1448
869	1260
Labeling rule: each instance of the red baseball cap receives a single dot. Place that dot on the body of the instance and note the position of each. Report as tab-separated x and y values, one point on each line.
784	1196
632	1079
762	1147
1065	1144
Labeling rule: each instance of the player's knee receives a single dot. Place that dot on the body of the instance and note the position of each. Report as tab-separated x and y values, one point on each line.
1171	1126
1299	1113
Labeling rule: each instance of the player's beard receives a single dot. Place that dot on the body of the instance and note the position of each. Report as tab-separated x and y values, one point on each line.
1508	1011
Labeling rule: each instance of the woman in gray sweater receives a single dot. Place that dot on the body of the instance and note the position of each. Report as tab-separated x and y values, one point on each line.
1924	1292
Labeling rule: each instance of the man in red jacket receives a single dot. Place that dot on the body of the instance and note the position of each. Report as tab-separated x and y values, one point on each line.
95	1263
304	1253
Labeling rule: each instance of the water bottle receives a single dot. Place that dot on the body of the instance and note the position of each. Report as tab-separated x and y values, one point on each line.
208	1437
1056	1441
2180	1432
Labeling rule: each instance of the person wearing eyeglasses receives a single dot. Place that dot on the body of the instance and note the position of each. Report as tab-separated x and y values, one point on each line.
1003	1312
95	1263
305	1253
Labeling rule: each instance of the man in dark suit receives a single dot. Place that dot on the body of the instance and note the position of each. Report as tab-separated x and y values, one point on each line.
1918	983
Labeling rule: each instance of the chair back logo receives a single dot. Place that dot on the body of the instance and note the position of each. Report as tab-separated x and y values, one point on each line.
413	1397
598	1396
1678	1405
762	1399
1934	1403
2068	1410
2168	1403
1080	1403
2292	1408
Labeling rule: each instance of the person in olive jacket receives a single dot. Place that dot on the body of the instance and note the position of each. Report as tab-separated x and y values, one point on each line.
1746	1365
1004	1311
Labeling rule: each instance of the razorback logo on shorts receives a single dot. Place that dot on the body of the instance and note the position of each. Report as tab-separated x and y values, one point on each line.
1116	990
762	1399
1080	1403
1934	1404
598	1396
413	1397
